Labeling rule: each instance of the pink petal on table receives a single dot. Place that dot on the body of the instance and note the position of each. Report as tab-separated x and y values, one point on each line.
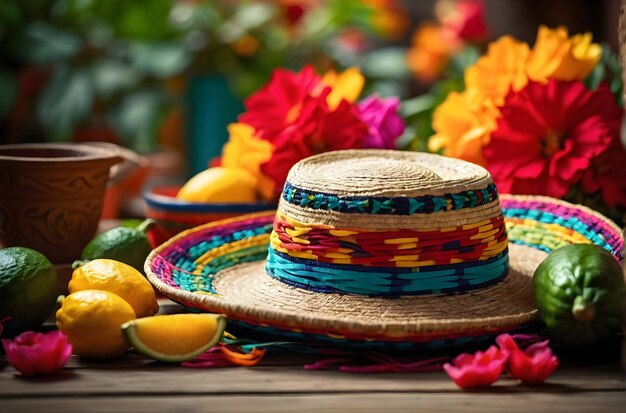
534	365
477	370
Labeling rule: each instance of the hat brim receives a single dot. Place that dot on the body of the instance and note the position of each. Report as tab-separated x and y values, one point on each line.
245	292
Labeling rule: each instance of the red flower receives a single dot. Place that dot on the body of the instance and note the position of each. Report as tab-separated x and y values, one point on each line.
477	370
606	175
319	130
549	135
279	105
292	112
36	353
533	365
465	20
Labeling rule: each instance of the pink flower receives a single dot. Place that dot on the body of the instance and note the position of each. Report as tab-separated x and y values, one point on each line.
36	353
533	365
383	122
477	370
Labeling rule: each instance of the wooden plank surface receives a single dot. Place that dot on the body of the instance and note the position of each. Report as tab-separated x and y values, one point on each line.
318	403
280	385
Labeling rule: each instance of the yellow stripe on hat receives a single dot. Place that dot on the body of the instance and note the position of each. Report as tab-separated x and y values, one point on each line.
224	249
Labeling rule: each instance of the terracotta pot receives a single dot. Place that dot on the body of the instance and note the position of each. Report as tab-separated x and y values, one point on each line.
51	196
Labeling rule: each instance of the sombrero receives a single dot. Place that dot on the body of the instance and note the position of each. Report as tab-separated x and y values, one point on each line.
376	246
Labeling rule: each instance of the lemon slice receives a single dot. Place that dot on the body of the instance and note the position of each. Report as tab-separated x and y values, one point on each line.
176	337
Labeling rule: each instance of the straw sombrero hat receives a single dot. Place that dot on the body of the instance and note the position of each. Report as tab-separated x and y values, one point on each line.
377	246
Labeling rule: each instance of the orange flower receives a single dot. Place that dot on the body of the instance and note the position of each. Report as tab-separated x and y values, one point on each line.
346	85
463	124
429	53
555	56
503	67
389	17
245	151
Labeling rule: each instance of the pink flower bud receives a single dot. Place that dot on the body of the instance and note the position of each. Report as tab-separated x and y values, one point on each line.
477	370
36	353
533	365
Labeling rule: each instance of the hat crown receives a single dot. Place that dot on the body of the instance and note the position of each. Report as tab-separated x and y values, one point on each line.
380	222
390	173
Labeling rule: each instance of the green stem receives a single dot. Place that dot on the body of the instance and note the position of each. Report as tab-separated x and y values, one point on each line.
79	263
145	226
582	310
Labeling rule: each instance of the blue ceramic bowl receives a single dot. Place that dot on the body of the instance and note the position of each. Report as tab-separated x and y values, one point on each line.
173	216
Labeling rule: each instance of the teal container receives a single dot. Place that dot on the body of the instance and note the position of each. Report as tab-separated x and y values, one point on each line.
211	107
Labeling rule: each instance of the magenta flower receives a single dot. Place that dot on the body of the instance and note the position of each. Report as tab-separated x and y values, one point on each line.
36	353
477	370
533	365
383	121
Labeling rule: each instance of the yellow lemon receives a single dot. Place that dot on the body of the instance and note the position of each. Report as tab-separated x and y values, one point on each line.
220	185
92	319
120	279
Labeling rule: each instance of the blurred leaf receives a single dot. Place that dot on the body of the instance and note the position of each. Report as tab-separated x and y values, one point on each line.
8	86
387	87
250	16
351	13
162	60
419	111
11	16
388	63
111	77
42	43
67	99
422	127
137	118
607	70
418	105
138	19
460	61
441	89
596	76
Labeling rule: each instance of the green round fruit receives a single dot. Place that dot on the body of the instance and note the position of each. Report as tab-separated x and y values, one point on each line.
28	289
579	292
128	245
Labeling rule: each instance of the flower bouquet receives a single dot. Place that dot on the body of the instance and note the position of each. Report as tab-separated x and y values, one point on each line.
543	120
297	115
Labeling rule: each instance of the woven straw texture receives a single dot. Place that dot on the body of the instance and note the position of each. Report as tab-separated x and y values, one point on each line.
220	267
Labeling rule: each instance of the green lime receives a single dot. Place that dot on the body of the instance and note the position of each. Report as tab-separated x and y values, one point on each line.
125	244
28	289
579	292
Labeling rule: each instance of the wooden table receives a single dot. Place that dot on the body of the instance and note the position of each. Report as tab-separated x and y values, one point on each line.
135	384
280	384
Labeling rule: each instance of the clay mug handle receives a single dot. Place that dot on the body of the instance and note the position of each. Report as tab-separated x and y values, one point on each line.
127	161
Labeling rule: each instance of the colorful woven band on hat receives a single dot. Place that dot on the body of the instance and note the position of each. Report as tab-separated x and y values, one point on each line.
385	282
420	342
400	248
190	263
434	236
547	224
388	263
389	205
